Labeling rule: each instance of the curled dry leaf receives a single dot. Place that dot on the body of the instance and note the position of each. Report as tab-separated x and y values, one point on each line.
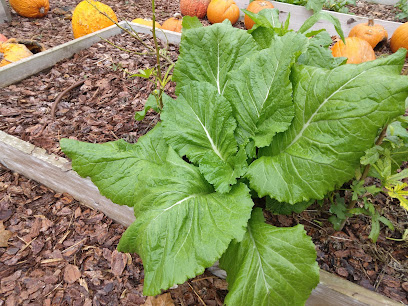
5	235
118	262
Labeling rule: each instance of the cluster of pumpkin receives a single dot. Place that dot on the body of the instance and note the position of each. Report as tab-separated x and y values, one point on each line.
219	10
216	10
364	37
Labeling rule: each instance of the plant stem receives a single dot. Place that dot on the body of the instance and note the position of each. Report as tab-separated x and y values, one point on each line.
365	173
156	45
132	33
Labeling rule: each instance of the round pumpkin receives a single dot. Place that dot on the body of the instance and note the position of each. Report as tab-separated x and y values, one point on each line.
194	7
400	38
173	24
30	8
87	18
356	50
255	7
146	22
219	10
372	33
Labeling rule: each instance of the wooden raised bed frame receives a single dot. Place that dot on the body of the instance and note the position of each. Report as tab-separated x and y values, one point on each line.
56	173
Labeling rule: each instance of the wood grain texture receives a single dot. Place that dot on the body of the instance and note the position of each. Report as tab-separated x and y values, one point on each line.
298	15
56	173
5	15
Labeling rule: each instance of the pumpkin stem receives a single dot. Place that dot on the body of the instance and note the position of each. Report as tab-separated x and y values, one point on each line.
42	10
371	22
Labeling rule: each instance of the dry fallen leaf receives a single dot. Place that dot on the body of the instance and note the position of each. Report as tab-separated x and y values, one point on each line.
5	235
118	262
160	300
71	274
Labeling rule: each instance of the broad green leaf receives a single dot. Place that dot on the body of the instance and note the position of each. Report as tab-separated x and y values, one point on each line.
268	18
312	20
338	114
190	22
114	167
270	266
260	92
315	5
278	208
183	226
200	125
264	37
318	53
209	53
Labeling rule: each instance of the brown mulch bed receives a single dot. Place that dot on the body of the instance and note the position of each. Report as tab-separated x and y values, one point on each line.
100	110
63	253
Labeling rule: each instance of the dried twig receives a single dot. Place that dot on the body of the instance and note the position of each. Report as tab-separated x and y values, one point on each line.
199	297
61	95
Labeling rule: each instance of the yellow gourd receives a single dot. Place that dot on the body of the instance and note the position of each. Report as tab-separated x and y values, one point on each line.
13	53
87	18
146	22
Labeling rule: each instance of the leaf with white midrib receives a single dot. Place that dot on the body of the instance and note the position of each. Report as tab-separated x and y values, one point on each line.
200	125
270	266
338	114
260	92
183	226
215	51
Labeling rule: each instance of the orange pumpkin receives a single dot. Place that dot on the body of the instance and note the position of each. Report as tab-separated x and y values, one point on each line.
194	7
219	10
400	38
30	8
13	53
87	18
372	33
173	24
356	50
146	22
255	7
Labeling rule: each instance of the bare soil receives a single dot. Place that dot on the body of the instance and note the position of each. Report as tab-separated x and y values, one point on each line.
60	252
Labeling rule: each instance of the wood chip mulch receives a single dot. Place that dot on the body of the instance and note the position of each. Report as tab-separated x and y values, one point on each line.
61	253
54	251
100	110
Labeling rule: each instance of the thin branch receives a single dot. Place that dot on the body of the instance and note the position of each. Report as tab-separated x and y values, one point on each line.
353	203
132	33
61	95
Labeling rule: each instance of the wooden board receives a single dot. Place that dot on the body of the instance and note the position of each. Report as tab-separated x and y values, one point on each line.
298	15
56	173
5	15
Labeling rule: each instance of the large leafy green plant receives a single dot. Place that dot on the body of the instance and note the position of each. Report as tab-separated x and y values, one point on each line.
266	113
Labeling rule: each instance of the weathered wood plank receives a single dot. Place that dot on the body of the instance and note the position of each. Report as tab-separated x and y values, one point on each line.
56	173
298	15
5	15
